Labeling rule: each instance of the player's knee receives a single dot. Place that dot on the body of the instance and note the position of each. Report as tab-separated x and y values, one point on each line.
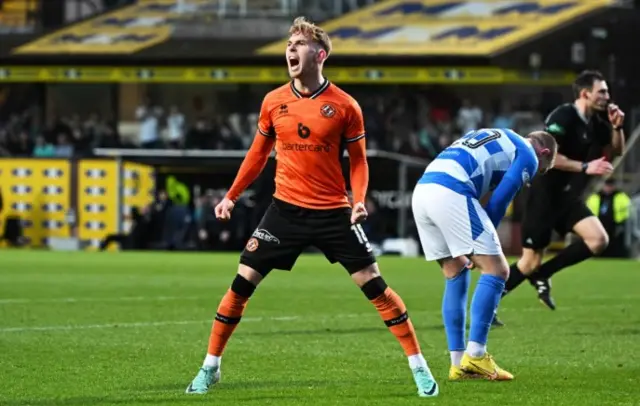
495	265
374	288
451	267
242	287
598	243
529	262
363	276
250	275
501	270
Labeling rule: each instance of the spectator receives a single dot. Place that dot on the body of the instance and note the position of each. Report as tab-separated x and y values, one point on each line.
175	124
444	140
469	117
200	136
64	149
227	138
149	118
21	145
504	119
412	146
109	138
4	141
43	149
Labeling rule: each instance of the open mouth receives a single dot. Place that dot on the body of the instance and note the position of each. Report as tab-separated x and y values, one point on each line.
293	62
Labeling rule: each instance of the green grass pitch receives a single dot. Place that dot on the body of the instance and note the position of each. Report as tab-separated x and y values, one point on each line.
132	329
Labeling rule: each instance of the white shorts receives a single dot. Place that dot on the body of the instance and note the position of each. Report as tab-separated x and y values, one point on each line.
451	224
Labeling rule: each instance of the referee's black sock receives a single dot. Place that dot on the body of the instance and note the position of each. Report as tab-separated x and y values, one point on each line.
571	255
516	277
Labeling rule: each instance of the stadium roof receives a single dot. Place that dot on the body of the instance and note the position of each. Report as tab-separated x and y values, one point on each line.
438	31
481	28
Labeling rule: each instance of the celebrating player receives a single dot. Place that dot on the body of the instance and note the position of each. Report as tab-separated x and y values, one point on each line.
308	120
452	225
555	201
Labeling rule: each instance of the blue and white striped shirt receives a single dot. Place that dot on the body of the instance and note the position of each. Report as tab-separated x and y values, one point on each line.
485	160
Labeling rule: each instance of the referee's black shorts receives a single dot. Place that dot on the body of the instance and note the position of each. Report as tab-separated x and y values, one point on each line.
286	230
544	214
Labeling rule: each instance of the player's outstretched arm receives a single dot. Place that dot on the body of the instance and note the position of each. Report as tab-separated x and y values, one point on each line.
359	169
359	178
357	148
253	163
598	166
568	165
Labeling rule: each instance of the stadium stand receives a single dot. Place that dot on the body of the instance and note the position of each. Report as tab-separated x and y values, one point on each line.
414	123
17	14
69	112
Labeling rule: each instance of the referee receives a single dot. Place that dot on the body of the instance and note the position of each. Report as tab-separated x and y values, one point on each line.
586	130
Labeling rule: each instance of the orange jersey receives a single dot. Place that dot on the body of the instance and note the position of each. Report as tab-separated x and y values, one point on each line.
311	133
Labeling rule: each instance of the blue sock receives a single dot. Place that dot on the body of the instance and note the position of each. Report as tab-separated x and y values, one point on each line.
484	303
454	309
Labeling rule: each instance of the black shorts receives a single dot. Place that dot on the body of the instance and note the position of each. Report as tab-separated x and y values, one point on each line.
286	230
544	214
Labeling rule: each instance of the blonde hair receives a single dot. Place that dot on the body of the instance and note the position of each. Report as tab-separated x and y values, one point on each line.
305	27
545	140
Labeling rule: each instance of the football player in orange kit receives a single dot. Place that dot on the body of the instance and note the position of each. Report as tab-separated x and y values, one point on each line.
309	121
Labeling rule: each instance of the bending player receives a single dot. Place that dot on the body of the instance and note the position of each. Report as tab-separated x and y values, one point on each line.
452	225
308	120
583	129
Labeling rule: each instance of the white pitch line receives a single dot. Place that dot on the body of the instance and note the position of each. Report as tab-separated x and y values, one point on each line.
97	299
134	324
10	301
260	319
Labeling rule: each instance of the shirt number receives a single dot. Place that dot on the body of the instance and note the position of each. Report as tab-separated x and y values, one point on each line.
361	236
479	138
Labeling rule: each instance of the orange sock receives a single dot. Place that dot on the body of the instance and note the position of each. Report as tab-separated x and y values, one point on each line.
394	313
227	319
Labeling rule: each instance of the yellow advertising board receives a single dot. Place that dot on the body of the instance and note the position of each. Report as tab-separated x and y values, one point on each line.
446	27
138	189
41	192
274	75
98	187
124	31
38	192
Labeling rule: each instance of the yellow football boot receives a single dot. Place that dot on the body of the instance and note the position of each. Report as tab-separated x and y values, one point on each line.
484	366
457	374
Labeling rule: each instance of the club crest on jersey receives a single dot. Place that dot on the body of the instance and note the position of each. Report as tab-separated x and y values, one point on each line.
328	111
526	178
252	245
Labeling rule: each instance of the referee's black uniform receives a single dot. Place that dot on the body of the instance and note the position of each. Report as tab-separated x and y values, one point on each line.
555	201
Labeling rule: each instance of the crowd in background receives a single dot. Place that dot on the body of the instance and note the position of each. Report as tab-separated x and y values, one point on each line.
167	224
22	134
417	122
411	124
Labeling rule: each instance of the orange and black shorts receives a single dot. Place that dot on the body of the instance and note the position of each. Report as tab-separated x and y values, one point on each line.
285	231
